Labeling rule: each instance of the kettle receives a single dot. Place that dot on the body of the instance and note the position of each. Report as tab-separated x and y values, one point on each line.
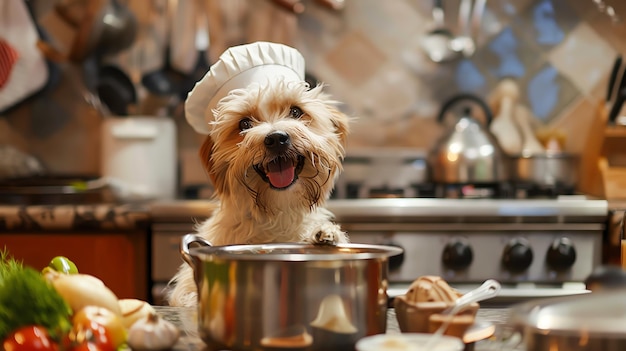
468	153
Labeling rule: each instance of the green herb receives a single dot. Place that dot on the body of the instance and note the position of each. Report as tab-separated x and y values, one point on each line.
26	298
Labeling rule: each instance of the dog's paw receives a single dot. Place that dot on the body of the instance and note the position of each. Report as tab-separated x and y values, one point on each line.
325	238
329	234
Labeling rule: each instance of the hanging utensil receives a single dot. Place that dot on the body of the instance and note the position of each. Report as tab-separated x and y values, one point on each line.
201	43
464	41
469	22
620	96
436	43
617	64
119	29
182	36
146	60
116	90
476	22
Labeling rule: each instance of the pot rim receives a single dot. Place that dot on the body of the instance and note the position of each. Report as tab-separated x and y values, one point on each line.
296	252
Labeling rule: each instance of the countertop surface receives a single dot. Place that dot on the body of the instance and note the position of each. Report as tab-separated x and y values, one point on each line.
185	320
140	215
75	217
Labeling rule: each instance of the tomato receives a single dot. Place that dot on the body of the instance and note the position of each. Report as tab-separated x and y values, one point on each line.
98	326
29	338
91	335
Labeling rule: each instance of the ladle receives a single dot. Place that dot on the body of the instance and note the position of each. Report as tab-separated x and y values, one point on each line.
470	23
436	43
490	288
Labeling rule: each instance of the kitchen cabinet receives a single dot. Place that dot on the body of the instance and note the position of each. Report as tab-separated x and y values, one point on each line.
118	258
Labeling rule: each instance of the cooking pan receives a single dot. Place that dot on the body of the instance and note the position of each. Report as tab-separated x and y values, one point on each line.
550	169
289	295
588	322
46	190
116	90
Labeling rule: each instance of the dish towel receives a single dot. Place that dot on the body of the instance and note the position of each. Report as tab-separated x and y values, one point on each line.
23	69
8	56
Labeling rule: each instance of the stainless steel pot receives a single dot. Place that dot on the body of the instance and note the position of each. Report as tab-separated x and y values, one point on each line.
589	322
289	296
548	169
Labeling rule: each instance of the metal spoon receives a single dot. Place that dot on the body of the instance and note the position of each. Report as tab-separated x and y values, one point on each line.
469	22
490	288
436	43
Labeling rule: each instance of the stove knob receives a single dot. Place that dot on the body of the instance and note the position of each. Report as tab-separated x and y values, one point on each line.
457	254
395	261
561	254
517	255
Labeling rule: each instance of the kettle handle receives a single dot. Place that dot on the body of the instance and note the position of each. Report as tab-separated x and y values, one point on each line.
466	96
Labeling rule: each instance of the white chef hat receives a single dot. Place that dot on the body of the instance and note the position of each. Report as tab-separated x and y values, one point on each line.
238	67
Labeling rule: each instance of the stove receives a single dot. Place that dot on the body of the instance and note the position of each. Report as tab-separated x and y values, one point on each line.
536	240
535	247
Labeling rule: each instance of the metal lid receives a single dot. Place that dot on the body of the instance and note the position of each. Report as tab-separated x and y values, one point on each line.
598	314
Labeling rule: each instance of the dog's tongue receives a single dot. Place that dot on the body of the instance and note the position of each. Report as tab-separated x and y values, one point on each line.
281	173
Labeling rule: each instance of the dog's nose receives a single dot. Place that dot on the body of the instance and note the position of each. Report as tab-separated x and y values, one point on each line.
277	141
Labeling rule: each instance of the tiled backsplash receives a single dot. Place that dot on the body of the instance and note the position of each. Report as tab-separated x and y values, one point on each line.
559	52
552	48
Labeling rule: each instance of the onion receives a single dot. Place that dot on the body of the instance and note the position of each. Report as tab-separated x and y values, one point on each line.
80	290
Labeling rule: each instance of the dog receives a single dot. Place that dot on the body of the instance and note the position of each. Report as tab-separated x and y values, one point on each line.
272	154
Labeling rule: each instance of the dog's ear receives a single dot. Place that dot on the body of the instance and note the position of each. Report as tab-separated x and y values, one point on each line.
341	122
206	149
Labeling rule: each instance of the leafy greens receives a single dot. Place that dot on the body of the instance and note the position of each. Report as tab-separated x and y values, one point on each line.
26	298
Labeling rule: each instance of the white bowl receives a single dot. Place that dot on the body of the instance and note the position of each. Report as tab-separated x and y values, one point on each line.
408	342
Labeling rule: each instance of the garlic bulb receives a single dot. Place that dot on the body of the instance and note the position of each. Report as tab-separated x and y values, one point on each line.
133	310
152	333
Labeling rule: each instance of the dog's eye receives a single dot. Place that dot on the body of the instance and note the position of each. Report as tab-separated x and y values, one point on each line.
245	123
295	112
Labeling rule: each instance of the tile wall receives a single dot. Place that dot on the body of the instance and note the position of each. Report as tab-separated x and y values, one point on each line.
558	51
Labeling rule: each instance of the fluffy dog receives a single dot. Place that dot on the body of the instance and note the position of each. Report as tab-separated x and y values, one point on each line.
273	153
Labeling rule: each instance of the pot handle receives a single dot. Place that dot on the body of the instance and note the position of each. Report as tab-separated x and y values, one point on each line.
185	243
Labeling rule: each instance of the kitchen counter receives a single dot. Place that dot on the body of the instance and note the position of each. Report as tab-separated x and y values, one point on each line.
185	320
115	216
72	217
107	240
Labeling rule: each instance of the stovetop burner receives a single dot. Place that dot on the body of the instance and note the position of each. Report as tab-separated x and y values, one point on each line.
503	190
474	191
534	191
